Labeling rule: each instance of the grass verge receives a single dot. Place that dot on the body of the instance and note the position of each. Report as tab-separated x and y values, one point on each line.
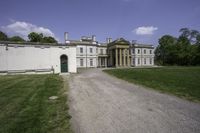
25	106
180	81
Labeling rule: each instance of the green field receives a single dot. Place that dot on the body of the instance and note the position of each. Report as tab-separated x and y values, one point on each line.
25	106
180	81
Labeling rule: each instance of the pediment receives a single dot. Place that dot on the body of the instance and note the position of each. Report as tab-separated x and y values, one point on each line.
120	41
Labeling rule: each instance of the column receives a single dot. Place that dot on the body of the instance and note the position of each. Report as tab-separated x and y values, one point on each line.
128	59
111	58
116	57
106	62
124	57
120	57
100	62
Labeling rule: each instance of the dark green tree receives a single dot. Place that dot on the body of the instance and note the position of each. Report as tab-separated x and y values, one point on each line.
198	39
185	32
3	36
16	39
165	52
197	50
49	39
190	34
184	53
35	37
193	35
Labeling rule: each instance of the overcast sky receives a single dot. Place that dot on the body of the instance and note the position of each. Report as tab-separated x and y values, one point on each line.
142	20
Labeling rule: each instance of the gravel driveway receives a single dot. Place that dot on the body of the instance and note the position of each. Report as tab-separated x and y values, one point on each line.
100	103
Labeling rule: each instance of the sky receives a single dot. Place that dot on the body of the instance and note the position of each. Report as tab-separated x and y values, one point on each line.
142	20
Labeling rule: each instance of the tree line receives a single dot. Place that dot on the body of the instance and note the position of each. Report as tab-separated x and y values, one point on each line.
33	37
184	50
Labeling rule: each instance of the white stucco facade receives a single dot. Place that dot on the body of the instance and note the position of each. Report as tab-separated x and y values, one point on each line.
86	56
91	54
61	58
142	56
26	58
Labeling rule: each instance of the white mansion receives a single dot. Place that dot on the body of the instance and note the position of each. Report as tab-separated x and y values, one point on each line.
118	53
33	58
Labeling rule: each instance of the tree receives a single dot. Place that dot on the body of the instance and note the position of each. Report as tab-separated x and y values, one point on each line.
35	37
165	53
49	39
185	32
198	39
3	36
184	51
190	34
193	35
16	39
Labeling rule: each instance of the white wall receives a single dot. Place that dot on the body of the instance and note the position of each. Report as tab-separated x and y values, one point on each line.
86	55
32	57
103	48
142	56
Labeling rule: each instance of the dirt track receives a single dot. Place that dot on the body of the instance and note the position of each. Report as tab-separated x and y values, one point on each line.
100	103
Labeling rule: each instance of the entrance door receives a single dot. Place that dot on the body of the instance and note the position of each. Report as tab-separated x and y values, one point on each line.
64	63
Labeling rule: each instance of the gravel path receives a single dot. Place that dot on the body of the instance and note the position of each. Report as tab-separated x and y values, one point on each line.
100	103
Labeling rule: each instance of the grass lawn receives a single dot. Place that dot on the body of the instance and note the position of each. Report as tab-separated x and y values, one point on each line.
180	81
25	106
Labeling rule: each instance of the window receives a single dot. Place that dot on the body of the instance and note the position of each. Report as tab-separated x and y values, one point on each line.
144	60
145	51
138	61
81	50
81	62
91	50
138	51
150	61
101	51
91	62
133	51
150	51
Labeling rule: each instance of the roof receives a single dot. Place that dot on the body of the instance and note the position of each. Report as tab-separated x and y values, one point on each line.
78	42
102	45
119	41
33	43
142	46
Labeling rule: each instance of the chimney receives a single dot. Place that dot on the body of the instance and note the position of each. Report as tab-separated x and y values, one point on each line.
134	41
110	40
93	38
66	36
107	40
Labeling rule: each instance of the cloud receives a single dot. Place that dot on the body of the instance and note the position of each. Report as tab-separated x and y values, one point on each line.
23	29
145	30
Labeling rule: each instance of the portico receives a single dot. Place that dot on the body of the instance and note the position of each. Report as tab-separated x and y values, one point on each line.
118	52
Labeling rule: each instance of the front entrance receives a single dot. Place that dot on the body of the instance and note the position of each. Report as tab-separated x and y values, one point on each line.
64	63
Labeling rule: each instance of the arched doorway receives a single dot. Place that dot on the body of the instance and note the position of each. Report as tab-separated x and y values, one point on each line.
64	63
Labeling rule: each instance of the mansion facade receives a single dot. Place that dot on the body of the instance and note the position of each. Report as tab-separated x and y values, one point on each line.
33	58
119	53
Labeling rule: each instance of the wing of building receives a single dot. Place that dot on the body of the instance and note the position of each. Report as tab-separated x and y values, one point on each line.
61	58
36	58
